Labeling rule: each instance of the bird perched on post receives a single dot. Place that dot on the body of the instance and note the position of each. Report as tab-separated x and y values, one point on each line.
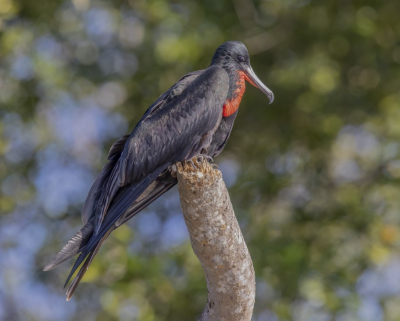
193	118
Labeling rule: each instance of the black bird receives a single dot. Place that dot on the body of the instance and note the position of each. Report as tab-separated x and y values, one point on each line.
194	117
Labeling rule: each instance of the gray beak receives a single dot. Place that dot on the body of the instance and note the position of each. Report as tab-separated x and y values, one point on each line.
252	78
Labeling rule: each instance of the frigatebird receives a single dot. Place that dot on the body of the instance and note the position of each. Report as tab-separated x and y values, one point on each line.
193	118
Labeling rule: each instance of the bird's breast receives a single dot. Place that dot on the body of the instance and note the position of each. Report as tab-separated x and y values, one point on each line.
232	103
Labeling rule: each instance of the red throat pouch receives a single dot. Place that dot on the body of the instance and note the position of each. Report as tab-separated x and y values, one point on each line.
231	105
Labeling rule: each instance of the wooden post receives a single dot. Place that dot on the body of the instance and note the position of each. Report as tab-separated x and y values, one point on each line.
218	243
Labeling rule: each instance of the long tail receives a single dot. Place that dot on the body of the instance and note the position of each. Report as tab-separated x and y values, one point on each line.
128	201
154	191
117	208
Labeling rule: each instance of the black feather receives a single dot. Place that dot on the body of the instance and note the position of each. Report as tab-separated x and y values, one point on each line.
117	147
77	242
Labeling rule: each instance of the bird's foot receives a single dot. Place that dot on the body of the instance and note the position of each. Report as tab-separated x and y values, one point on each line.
190	165
197	163
202	157
198	169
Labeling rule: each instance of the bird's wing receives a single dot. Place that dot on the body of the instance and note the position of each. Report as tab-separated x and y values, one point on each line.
117	148
157	188
173	92
166	134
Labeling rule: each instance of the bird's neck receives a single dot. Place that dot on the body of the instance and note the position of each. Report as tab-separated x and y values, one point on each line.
237	87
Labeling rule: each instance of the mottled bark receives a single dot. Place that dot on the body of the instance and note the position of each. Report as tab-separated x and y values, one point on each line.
217	242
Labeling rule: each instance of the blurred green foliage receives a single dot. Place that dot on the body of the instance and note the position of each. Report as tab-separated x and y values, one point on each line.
317	190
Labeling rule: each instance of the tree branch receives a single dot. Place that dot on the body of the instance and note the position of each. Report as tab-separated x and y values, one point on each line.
217	242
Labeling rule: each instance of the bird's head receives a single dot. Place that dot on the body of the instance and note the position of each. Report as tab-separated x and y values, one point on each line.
234	57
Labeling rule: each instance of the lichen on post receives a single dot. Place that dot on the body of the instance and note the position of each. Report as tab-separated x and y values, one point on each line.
217	241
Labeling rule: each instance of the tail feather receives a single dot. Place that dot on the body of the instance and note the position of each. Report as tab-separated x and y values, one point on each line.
124	199
84	267
78	262
126	203
76	243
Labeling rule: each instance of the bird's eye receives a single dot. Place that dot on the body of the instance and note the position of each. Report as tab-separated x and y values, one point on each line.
240	59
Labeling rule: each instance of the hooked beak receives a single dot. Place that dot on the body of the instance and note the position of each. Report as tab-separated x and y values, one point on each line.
252	78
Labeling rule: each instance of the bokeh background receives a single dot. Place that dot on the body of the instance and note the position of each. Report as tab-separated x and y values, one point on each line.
314	177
